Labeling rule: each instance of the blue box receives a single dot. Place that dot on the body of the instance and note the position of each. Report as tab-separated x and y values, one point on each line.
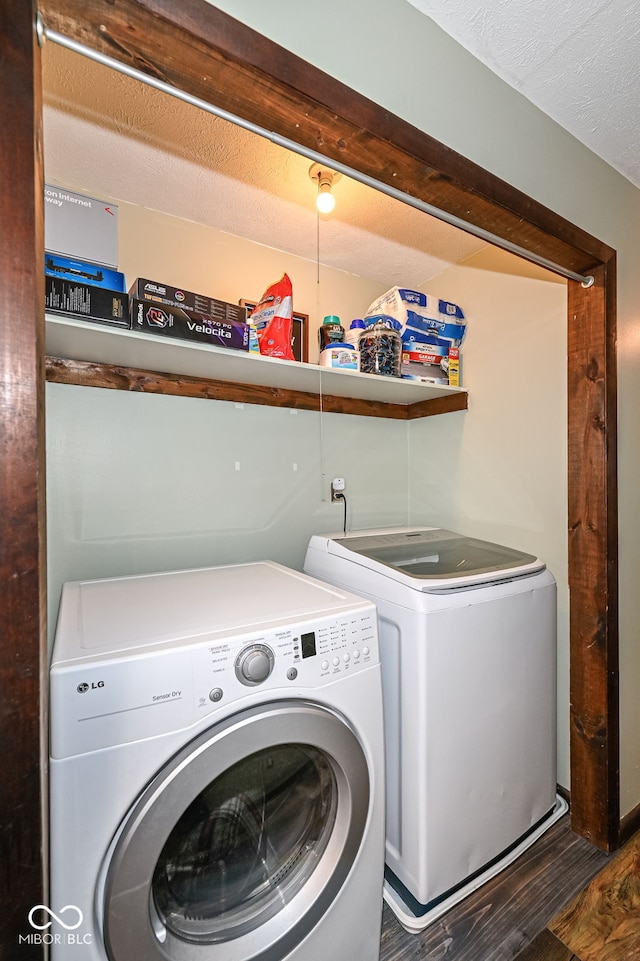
82	272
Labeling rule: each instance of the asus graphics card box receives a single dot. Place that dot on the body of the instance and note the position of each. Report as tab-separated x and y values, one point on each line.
188	325
166	296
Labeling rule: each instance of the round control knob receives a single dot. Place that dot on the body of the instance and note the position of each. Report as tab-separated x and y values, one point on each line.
254	664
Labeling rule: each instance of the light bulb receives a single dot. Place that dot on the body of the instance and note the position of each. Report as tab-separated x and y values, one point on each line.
325	178
325	201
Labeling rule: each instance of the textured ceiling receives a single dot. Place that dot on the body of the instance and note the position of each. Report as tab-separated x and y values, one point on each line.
577	60
108	135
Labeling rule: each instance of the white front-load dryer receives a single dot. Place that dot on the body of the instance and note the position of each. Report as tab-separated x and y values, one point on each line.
216	770
467	633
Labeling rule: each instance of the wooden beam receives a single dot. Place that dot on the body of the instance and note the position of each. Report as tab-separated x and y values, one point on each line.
593	551
22	543
112	377
440	405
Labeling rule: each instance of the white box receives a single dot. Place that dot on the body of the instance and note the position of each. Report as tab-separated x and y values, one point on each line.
80	226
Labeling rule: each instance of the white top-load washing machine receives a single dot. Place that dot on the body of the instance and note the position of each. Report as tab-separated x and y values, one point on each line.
217	769
468	649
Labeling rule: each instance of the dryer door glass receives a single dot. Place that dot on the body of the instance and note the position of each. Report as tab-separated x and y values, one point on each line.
246	844
239	846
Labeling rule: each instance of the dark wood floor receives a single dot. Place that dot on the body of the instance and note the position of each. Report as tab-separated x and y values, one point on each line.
506	915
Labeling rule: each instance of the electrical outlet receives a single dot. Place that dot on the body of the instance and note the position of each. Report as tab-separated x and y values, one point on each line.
337	488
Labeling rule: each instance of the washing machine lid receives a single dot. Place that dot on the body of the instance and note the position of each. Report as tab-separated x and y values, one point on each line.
430	558
124	614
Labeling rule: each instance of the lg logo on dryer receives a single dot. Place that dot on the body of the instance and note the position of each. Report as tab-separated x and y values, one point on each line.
84	687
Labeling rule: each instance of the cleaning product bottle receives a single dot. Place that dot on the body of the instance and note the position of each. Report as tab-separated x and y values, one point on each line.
331	332
355	329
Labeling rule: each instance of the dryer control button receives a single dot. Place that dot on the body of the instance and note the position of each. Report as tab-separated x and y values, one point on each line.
254	664
292	674
215	695
336	661
324	665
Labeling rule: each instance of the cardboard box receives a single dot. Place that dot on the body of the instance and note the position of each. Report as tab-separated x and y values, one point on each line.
188	325
157	293
83	272
89	303
79	226
454	367
432	368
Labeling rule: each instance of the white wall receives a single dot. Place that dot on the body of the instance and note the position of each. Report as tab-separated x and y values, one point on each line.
400	59
145	482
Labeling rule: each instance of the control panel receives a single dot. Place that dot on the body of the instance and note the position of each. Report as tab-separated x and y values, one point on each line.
113	702
305	655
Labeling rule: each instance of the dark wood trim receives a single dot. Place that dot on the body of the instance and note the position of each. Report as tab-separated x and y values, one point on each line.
440	405
593	557
22	543
630	824
195	46
111	377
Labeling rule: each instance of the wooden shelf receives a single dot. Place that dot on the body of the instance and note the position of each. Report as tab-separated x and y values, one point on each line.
79	352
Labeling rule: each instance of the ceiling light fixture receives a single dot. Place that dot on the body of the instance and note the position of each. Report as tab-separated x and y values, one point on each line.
325	179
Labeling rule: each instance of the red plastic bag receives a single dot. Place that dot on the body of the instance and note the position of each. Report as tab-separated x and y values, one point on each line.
273	320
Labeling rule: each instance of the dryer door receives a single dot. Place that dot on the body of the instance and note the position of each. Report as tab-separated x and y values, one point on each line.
239	846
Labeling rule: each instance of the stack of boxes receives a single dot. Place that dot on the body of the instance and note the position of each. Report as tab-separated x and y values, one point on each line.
81	259
432	331
82	280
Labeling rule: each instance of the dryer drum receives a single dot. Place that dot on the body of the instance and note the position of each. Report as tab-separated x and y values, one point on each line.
251	838
240	844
